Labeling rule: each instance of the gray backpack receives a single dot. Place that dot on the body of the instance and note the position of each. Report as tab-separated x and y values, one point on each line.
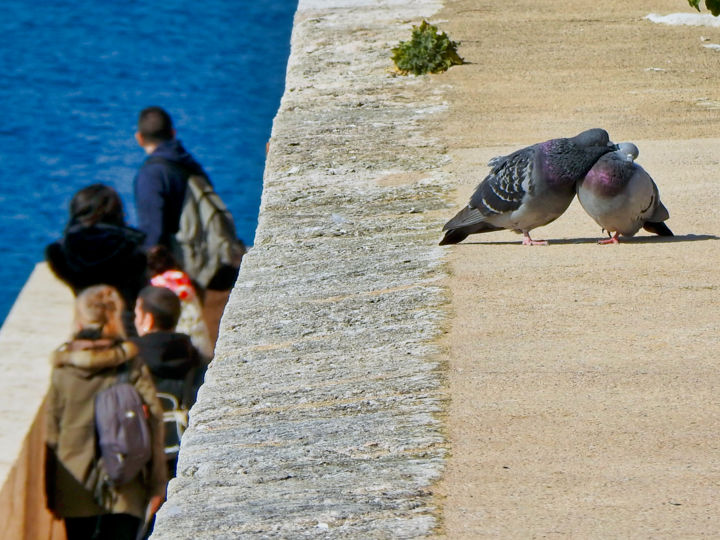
206	241
123	433
206	237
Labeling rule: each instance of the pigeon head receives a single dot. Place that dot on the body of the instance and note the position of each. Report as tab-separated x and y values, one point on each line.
628	150
567	161
593	137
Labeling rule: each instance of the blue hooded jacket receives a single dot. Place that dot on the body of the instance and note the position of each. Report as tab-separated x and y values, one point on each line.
160	191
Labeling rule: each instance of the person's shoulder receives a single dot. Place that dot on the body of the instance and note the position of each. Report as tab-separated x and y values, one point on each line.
154	165
181	337
136	364
180	341
177	153
54	253
153	345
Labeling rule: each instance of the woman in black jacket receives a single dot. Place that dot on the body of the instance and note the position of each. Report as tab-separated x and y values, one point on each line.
98	248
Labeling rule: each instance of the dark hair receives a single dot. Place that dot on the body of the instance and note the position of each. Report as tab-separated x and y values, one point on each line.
97	203
155	125
160	259
162	304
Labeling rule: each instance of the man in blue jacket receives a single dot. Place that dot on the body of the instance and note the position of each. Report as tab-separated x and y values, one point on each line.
160	187
161	181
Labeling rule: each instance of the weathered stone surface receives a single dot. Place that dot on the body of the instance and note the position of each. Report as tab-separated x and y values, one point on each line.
319	415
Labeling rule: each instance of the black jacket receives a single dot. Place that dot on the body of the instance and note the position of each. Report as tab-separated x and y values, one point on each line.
100	254
173	362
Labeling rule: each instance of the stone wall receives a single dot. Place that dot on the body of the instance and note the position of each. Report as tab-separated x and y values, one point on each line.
321	413
39	321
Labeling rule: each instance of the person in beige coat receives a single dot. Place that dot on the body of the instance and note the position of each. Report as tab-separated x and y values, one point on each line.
81	368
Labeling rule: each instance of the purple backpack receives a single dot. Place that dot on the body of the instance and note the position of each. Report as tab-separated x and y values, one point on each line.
123	433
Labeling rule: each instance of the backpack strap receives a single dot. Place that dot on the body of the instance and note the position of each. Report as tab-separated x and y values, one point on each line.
123	370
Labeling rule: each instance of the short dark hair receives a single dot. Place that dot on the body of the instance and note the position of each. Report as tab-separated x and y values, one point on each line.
160	259
162	304
96	203
155	125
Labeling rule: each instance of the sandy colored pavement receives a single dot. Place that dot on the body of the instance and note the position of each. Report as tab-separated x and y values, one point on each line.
584	380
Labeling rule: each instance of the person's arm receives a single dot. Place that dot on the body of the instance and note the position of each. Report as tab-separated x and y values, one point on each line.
150	202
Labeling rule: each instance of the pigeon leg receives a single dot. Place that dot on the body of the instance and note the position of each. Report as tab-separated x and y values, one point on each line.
527	241
612	240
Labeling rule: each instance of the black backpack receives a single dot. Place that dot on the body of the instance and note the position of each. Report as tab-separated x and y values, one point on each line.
123	433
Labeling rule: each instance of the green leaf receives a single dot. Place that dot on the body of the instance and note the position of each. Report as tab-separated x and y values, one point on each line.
428	51
713	6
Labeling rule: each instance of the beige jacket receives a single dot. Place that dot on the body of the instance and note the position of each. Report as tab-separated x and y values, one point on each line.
81	369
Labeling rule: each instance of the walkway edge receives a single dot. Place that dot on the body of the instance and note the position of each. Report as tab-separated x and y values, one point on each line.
319	415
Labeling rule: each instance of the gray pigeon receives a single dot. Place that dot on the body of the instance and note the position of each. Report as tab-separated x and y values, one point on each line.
621	197
529	188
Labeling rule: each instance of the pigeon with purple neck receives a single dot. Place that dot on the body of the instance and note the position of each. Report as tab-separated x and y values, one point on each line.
529	188
622	197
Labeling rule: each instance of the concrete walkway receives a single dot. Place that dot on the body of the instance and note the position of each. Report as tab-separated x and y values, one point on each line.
584	378
39	322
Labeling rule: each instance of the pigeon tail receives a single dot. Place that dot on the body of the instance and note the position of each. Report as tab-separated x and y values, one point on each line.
464	218
454	236
658	227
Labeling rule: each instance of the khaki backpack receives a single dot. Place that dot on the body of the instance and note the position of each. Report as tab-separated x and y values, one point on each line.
206	238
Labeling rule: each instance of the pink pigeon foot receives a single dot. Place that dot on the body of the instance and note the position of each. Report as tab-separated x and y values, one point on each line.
527	241
612	240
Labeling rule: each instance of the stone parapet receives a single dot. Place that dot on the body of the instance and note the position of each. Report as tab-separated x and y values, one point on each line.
39	322
320	415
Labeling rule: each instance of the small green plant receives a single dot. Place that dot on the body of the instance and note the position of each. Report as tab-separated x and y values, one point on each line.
712	5
428	51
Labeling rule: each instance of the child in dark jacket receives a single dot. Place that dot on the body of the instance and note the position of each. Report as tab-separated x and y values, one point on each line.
170	356
166	272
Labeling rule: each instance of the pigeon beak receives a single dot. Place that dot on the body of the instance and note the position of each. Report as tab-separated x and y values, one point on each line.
613	146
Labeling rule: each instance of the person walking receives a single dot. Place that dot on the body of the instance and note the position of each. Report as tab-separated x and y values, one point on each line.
83	367
173	361
97	247
165	271
160	187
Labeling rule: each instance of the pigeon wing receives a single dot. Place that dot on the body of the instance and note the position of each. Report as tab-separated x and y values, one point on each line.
661	213
656	223
497	161
504	188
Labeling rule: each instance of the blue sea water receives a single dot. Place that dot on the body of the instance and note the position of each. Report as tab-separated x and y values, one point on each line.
73	77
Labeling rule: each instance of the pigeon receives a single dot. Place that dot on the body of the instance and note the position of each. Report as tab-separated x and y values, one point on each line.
529	188
622	197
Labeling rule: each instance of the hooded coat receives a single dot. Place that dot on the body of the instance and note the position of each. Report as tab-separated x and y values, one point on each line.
100	254
173	362
81	369
160	191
